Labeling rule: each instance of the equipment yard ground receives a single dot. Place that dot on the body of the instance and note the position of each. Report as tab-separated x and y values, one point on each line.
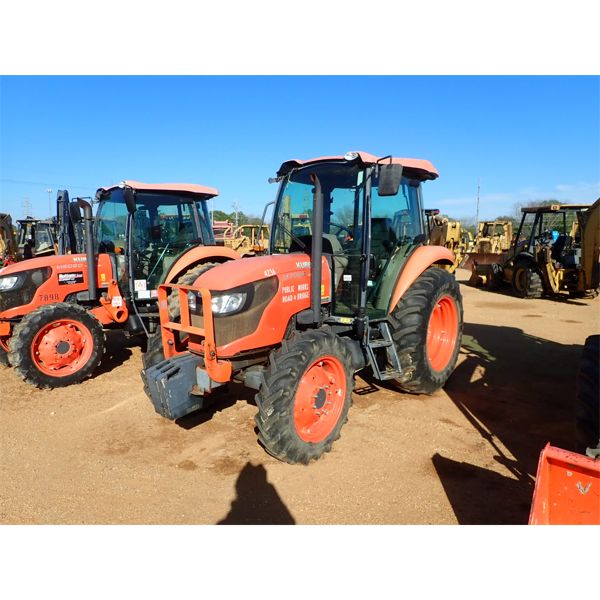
97	453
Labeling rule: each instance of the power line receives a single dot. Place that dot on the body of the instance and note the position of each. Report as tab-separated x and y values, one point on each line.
47	184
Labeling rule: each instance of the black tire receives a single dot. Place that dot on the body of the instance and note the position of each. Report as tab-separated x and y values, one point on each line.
154	350
279	401
87	328
4	357
187	278
410	322
527	281
587	399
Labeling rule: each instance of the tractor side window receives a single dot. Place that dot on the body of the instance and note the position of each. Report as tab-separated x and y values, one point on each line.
174	224
396	221
526	230
43	240
111	224
206	231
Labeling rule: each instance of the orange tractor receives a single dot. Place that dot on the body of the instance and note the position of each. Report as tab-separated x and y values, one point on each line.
357	287
54	309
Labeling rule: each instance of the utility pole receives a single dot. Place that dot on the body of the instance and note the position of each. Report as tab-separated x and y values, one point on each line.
236	207
49	203
477	213
26	205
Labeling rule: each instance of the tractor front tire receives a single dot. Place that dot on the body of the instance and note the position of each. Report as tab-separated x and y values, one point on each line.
527	281
587	399
426	327
154	350
56	345
305	396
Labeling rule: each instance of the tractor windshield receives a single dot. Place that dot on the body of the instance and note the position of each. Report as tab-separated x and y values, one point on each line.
396	226
164	225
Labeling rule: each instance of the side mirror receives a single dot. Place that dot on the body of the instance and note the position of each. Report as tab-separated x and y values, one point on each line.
74	212
389	179
130	200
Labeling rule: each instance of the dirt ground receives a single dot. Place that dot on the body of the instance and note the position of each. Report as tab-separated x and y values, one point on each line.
98	453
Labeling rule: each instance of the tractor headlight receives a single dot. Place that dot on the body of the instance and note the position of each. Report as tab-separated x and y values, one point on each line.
192	301
8	282
228	303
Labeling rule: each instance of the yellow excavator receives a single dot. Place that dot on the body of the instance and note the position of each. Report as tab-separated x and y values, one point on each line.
8	242
556	249
450	234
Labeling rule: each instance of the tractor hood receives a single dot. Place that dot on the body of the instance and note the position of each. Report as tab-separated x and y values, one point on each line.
420	168
55	261
289	268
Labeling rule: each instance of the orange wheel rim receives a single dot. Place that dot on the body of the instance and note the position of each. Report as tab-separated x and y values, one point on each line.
62	348
320	398
442	333
4	343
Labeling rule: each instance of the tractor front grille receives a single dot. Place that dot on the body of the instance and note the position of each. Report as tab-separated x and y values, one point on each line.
25	289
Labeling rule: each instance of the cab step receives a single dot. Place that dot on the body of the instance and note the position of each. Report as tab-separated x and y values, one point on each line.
384	341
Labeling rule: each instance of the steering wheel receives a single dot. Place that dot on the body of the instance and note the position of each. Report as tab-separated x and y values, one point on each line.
343	233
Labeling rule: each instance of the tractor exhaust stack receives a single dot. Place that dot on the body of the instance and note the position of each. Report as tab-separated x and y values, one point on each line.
89	249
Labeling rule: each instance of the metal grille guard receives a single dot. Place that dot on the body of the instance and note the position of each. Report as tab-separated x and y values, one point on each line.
218	370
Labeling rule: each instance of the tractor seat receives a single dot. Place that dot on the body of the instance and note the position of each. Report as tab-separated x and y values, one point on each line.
383	238
331	246
562	243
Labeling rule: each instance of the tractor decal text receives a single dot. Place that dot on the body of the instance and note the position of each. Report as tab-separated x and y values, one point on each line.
48	297
289	293
293	275
70	278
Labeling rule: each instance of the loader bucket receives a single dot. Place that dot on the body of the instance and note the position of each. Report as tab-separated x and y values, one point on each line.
567	489
471	259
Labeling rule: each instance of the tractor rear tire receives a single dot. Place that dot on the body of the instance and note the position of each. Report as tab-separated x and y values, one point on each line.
527	281
154	350
4	352
426	327
56	345
305	396
587	399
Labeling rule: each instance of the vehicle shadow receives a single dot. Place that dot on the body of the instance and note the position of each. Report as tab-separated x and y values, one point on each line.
117	351
222	398
518	392
257	501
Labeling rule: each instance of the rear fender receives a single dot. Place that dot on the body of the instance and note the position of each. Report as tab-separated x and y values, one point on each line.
197	255
420	260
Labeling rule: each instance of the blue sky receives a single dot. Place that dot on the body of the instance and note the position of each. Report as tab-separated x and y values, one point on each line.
523	138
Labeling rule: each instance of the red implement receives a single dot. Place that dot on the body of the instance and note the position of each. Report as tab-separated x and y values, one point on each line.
567	489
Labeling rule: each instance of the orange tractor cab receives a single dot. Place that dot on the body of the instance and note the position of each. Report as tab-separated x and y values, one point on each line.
352	286
54	309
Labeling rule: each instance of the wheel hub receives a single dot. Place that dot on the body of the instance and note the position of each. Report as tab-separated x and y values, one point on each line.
62	347
319	399
442	333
